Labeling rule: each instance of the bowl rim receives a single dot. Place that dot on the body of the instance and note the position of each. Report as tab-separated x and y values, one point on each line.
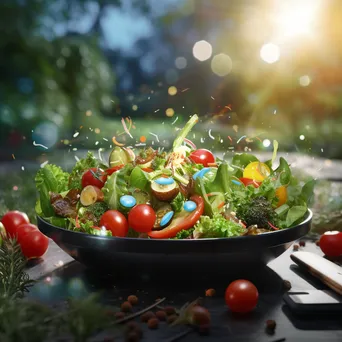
280	232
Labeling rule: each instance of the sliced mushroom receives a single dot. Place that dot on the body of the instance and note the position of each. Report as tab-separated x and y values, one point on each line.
165	193
160	213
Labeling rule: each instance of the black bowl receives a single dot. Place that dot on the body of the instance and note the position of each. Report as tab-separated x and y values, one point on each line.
148	255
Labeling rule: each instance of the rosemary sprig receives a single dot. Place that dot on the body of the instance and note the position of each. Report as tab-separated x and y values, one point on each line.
14	282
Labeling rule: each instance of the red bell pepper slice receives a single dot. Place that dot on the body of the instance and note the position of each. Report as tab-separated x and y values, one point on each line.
248	181
147	169
114	169
184	220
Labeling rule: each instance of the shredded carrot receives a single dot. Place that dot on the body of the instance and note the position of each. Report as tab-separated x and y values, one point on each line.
116	142
125	127
142	139
212	164
220	205
272	226
77	224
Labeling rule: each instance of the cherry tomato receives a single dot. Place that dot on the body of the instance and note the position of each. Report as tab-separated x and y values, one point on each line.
142	218
114	169
248	181
331	243
281	193
199	315
34	244
116	222
25	229
12	220
202	156
241	296
94	177
257	171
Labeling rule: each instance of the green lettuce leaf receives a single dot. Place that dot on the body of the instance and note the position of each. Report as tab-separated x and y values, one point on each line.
50	178
80	167
116	186
139	179
295	214
177	203
217	227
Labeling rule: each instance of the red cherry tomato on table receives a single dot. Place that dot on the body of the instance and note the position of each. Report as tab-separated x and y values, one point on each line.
94	177
331	243
24	229
34	244
202	156
142	218
248	181
241	296
114	169
116	222
12	220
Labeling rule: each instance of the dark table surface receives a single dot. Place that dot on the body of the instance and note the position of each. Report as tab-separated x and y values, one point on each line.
60	277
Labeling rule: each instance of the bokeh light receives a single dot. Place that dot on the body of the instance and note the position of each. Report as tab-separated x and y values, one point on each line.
172	90
46	133
135	107
266	143
294	17
202	50
302	137
170	112
304	81
181	62
221	64
270	53
171	76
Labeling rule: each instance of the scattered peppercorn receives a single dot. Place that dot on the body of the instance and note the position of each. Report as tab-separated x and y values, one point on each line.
210	293
153	323
119	315
295	247
287	285
132	325
171	319
317	243
204	329
161	315
133	299
271	325
146	316
170	310
302	243
132	336
126	307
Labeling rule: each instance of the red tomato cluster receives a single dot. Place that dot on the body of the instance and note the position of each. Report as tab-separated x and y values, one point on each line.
33	243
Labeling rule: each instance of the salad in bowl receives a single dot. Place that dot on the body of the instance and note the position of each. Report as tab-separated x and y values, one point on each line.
186	193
